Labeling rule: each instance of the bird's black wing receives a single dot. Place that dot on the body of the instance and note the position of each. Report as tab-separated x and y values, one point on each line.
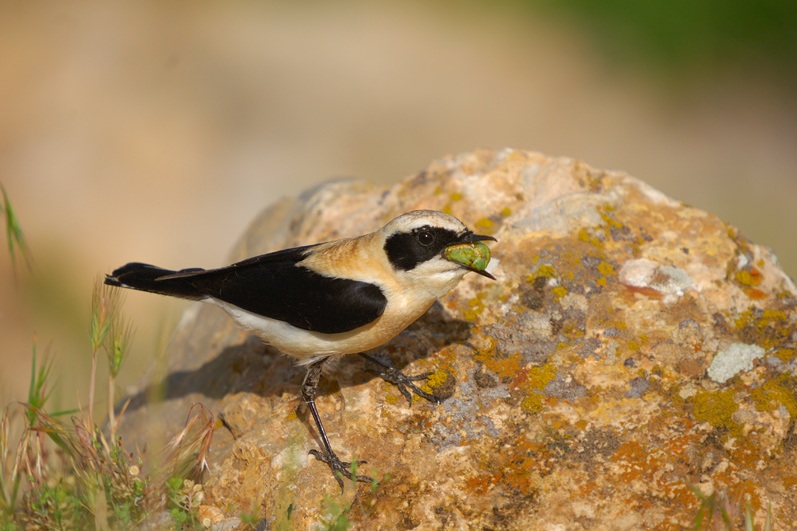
270	285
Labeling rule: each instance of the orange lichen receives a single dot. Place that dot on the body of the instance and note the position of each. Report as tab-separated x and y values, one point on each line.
518	477
481	484
503	365
631	458
678	445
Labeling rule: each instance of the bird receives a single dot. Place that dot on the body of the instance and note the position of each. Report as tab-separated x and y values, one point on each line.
319	302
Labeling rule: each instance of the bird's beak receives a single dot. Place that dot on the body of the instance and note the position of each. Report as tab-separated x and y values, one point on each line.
470	253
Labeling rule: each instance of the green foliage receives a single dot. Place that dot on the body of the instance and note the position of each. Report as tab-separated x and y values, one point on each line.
717	511
185	496
109	332
675	35
14	236
55	507
57	475
37	393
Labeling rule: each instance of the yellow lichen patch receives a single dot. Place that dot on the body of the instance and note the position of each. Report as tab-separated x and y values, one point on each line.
506	212
769	329
605	268
455	196
584	235
531	403
785	354
750	278
543	271
475	307
559	291
485	224
776	392
546	270
716	408
539	377
437	378
391	399
536	378
607	215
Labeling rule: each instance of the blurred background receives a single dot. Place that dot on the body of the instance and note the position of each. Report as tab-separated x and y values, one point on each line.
156	131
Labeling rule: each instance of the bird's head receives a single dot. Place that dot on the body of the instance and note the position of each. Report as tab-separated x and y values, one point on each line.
434	248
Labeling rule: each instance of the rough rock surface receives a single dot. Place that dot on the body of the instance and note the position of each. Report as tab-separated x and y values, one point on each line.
632	349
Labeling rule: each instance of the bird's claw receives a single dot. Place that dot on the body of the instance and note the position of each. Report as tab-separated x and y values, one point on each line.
341	469
403	382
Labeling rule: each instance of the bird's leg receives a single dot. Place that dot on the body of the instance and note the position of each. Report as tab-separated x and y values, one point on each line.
389	373
309	392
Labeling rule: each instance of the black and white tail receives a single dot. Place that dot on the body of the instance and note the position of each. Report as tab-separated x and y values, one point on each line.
154	279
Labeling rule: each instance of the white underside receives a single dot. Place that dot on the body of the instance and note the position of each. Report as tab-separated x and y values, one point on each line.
304	345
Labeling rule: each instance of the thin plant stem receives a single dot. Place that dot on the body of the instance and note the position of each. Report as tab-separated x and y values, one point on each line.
91	388
111	413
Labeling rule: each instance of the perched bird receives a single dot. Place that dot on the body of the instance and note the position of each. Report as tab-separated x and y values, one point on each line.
331	299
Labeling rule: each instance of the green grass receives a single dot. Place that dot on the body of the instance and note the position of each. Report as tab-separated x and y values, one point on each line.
718	511
68	470
14	236
73	474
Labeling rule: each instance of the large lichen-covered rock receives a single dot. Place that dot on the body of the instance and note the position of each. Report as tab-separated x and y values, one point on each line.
634	355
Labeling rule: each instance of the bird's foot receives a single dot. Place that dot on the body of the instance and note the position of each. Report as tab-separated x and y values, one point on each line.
389	373
341	469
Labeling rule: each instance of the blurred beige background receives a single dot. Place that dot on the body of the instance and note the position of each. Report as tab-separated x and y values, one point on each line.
155	131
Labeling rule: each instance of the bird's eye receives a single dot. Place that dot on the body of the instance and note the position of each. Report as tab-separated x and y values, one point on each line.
425	238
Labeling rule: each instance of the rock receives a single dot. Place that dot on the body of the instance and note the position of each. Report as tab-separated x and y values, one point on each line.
632	349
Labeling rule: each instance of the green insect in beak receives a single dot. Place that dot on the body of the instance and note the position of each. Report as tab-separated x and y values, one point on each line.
473	256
